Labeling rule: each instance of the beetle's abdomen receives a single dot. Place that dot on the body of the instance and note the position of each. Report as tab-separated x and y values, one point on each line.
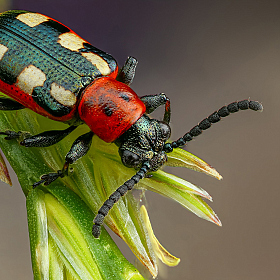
45	66
110	108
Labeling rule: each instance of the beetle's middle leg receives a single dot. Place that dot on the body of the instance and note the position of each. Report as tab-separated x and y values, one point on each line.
79	148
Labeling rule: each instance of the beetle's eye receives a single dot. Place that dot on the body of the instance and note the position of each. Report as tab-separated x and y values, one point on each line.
130	159
165	130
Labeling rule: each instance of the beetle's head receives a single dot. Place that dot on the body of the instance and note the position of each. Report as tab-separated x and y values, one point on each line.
144	142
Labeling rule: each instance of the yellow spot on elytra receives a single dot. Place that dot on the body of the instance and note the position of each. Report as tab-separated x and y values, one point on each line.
71	41
3	49
98	62
29	78
63	96
32	19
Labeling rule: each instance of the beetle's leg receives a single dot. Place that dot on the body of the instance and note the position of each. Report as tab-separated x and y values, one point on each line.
167	112
10	134
115	196
213	118
152	102
44	139
127	72
47	138
7	104
79	148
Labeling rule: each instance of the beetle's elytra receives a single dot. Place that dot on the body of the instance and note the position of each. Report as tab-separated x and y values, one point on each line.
46	67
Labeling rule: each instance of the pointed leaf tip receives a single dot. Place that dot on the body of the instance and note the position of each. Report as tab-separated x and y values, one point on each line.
160	251
182	158
216	220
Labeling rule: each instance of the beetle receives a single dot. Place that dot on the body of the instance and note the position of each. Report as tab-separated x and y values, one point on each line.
48	68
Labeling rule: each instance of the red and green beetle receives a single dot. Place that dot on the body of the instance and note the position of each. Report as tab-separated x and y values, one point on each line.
48	68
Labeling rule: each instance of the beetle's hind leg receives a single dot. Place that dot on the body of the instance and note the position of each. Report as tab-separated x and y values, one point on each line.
79	148
44	139
47	138
7	104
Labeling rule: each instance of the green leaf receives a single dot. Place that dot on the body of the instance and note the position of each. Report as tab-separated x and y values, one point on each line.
61	239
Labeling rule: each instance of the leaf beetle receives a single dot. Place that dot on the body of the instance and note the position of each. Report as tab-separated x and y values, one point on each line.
48	68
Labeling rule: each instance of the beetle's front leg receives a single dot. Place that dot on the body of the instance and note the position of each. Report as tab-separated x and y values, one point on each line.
79	148
152	102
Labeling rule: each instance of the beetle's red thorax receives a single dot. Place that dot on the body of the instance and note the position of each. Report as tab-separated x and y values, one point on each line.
109	108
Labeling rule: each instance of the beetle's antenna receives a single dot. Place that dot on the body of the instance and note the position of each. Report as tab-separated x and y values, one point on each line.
213	118
115	196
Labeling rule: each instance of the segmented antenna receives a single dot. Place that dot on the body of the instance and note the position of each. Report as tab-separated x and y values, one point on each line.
115	196
213	118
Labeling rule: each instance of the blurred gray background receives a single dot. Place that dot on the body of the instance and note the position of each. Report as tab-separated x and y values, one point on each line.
203	55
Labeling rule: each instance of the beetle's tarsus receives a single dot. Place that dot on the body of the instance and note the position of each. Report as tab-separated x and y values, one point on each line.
11	134
79	148
46	179
35	185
